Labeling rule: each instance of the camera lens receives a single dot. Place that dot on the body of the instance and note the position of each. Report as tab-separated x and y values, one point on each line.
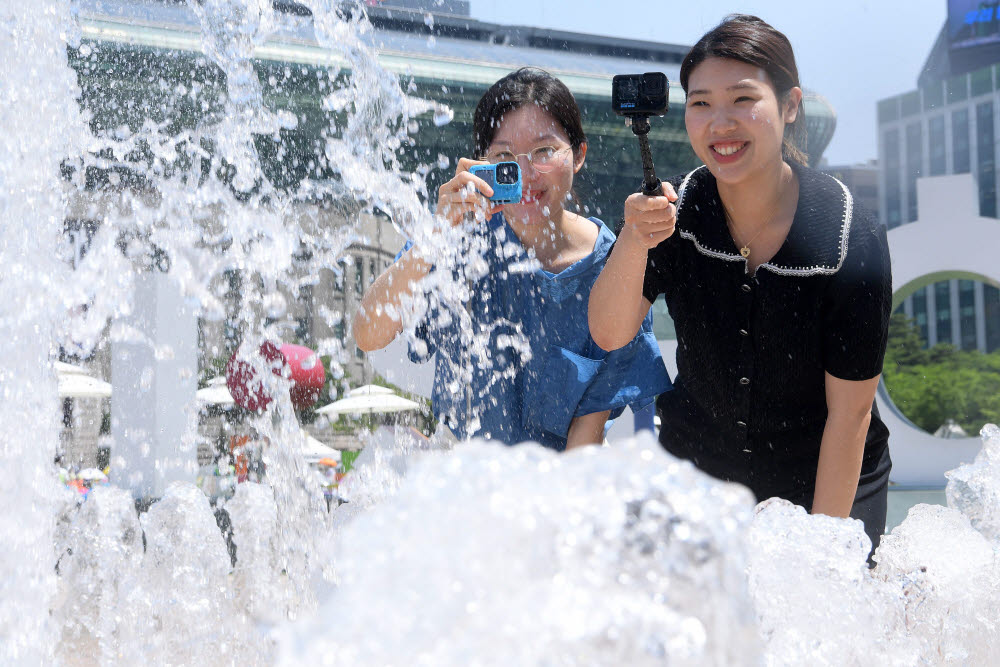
652	84
507	173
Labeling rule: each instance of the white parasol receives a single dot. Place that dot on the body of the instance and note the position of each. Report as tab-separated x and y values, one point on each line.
370	389
74	382
313	450
216	393
92	474
369	401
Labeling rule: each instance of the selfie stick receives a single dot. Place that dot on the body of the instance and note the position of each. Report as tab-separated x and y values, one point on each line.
651	186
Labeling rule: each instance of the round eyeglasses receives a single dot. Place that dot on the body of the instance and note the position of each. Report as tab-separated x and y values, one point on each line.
542	159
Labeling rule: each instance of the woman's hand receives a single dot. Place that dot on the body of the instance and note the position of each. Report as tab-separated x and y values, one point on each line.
466	196
649	220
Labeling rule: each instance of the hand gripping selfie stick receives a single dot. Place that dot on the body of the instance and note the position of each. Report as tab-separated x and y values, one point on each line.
637	97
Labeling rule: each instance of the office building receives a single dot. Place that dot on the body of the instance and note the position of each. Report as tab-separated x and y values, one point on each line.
948	125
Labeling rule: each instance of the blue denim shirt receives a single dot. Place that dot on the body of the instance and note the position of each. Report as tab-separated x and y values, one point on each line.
567	374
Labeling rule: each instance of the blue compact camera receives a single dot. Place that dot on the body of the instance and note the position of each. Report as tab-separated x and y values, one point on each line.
504	178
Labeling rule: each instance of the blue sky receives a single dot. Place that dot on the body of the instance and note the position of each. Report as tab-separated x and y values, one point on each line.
854	52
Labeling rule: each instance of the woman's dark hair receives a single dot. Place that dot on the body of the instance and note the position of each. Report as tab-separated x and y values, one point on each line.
528	85
753	41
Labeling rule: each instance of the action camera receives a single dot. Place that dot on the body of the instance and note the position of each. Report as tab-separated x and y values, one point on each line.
639	94
504	178
637	97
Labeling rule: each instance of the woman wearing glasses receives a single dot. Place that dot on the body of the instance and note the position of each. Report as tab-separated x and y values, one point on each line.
559	389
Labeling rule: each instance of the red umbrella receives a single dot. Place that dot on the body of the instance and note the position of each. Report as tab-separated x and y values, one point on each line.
247	390
299	364
306	373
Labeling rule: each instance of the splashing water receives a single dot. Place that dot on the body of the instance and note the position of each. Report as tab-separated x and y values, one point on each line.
480	554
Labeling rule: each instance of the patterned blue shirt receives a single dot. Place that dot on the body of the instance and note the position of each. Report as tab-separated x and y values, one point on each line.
519	397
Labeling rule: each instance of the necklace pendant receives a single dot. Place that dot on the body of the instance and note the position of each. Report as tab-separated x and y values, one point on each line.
745	251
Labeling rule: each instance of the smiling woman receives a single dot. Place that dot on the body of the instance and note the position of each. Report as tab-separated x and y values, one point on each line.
778	284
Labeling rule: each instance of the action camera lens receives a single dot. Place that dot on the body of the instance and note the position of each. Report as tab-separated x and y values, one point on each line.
653	85
507	174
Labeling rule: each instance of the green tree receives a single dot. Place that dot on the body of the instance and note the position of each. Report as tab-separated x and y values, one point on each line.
904	346
932	386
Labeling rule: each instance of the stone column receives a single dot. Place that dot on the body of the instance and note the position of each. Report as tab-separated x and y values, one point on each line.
154	383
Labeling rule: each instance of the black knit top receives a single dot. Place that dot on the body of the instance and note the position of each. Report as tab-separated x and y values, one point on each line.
752	350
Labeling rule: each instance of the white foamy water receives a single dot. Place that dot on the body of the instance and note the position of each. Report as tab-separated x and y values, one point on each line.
623	555
477	554
35	83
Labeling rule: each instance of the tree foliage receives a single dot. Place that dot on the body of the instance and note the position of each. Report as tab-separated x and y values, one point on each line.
933	385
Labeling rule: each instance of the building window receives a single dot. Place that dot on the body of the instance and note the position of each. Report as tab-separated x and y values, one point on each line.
304	323
893	212
960	141
981	82
935	130
933	95
991	299
958	88
986	167
359	278
914	161
920	313
942	303
967	313
231	329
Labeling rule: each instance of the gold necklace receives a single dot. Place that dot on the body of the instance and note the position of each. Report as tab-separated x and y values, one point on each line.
745	249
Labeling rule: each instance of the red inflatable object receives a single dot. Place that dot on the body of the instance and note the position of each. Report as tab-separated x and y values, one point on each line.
306	373
247	390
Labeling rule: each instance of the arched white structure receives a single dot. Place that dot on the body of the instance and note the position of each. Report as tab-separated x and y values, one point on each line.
949	240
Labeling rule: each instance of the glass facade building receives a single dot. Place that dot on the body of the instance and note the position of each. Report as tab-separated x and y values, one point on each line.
944	127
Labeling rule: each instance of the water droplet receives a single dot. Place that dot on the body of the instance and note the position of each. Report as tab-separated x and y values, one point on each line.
443	116
275	305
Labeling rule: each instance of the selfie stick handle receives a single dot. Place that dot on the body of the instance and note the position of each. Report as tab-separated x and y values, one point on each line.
651	186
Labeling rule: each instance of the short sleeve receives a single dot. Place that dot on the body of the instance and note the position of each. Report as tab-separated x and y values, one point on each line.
553	393
858	306
631	376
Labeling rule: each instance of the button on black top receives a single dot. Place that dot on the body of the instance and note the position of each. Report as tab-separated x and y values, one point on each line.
820	305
